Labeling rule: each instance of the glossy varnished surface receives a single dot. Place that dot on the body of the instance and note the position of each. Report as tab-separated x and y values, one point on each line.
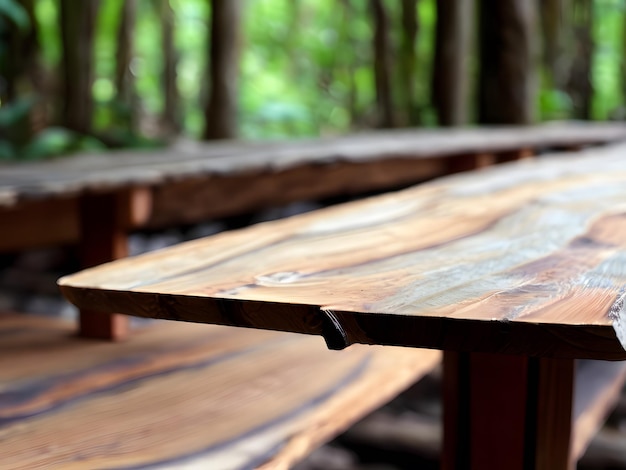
177	395
528	257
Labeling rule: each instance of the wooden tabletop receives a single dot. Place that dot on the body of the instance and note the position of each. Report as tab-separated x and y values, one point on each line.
118	170
525	258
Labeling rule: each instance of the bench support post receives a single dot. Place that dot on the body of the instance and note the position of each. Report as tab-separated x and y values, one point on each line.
104	222
512	155
468	162
511	412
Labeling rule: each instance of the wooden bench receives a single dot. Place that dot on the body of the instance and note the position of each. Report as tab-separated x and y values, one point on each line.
515	271
99	199
182	394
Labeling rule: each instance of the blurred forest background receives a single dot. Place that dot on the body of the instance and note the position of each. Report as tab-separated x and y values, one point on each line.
81	75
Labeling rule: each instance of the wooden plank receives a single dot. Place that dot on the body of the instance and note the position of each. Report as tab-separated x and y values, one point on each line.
179	394
523	259
39	223
194	200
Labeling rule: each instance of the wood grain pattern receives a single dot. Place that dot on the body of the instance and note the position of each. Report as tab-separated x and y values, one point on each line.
524	258
177	395
110	172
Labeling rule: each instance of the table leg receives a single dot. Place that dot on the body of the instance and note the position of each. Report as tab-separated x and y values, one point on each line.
103	239
467	162
512	155
510	412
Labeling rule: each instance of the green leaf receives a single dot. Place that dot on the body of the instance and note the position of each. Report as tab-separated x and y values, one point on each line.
48	143
7	152
15	111
15	12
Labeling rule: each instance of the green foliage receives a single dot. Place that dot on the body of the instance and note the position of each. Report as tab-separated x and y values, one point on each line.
47	16
55	141
554	104
15	112
608	58
305	70
49	143
15	12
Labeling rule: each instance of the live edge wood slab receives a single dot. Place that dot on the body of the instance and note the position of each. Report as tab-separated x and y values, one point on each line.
524	258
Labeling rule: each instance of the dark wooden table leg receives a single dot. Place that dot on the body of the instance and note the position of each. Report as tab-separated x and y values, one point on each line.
467	162
105	220
507	412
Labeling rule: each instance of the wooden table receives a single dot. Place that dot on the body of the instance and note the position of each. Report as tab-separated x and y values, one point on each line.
515	271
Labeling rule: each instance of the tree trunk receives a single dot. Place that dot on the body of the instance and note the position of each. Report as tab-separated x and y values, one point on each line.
170	119
221	108
19	54
347	37
77	33
124	52
507	83
20	75
407	61
555	15
579	86
382	65
451	64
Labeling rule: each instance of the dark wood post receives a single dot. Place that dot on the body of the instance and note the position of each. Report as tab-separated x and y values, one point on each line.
508	62
105	219
221	109
453	46
511	412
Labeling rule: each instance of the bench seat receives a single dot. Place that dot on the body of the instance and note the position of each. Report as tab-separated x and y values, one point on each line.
179	394
182	394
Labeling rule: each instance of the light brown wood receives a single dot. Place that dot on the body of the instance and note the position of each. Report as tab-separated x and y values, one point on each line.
33	224
192	200
179	394
524	258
